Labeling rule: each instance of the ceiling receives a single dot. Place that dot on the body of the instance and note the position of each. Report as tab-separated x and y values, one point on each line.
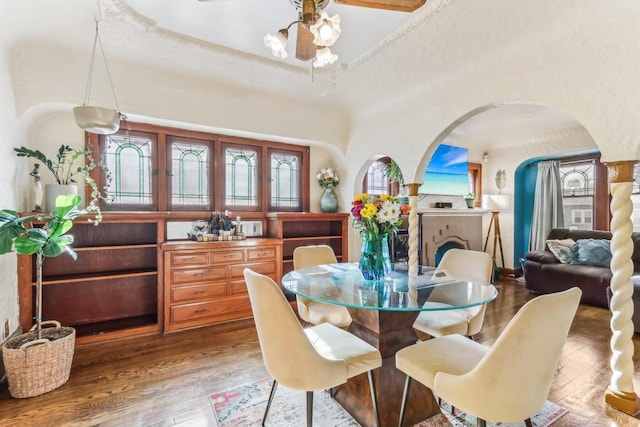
510	125
241	24
222	40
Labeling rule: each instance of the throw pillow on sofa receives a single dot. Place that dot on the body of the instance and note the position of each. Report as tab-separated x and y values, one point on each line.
593	252
562	249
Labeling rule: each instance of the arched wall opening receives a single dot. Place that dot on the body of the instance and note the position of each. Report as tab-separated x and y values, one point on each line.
525	184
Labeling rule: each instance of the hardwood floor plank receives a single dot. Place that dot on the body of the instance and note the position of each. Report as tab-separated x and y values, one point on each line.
166	380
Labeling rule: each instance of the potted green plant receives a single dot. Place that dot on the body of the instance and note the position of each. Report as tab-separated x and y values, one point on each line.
470	200
69	164
40	360
394	173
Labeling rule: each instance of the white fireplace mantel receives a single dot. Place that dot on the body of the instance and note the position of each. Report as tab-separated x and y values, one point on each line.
452	212
440	226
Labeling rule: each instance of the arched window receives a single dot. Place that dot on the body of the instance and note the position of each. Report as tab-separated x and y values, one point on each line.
377	181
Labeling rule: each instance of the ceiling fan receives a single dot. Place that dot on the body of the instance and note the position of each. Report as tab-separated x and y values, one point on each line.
316	31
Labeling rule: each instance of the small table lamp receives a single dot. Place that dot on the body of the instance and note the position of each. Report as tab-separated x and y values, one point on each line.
495	203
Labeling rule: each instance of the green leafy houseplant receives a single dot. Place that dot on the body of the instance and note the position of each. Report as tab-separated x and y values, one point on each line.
394	173
50	240
40	360
65	170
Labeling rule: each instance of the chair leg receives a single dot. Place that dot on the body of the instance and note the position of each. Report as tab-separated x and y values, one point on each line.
528	423
374	399
480	422
309	409
273	392
407	383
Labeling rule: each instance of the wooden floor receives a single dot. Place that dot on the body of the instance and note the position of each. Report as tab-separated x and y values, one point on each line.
166	380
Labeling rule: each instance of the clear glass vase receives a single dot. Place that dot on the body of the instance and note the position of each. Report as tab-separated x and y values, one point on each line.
375	262
328	201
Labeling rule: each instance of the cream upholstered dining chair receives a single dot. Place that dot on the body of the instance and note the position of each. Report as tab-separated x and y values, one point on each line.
315	312
311	359
458	264
508	382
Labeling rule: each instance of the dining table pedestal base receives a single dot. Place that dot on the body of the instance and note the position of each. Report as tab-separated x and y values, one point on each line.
389	331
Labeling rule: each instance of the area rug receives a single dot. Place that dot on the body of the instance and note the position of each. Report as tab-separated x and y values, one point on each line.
244	406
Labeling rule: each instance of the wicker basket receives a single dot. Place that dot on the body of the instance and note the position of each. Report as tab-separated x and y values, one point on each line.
35	366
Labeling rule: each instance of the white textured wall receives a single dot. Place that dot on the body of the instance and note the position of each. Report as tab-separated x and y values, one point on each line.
473	54
8	194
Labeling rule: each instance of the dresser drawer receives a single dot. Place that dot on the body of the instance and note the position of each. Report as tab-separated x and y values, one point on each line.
267	268
228	256
240	286
260	254
197	292
196	275
188	312
190	258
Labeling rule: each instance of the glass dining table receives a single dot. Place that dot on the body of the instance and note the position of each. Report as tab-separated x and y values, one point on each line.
383	312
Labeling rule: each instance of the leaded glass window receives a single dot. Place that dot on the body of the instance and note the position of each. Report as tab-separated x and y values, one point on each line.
377	181
285	180
190	174
129	158
578	190
155	168
241	177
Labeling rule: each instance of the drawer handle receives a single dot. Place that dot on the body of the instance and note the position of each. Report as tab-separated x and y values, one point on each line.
200	311
199	274
189	258
199	292
230	256
261	254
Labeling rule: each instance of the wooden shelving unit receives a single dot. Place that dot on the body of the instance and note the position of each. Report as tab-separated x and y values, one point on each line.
302	229
111	290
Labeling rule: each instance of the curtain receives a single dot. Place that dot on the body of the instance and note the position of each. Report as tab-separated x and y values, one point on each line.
547	204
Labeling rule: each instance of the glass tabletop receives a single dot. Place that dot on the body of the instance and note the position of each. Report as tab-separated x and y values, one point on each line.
343	284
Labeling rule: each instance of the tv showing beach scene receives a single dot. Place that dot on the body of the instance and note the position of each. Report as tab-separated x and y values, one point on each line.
447	172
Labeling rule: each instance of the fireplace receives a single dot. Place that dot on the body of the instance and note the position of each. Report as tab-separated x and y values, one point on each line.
444	229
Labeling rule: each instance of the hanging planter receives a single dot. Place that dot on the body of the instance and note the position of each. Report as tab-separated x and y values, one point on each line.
102	121
99	120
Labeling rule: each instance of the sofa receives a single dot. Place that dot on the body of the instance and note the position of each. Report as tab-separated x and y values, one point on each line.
545	273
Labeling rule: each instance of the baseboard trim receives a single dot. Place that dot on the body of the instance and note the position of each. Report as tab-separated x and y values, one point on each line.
3	372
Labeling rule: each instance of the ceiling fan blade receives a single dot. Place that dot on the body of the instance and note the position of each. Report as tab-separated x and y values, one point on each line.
305	49
399	5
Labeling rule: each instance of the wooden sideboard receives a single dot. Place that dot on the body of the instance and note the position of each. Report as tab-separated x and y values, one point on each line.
130	281
204	281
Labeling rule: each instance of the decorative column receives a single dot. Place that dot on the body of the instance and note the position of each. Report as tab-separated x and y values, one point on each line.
413	230
620	393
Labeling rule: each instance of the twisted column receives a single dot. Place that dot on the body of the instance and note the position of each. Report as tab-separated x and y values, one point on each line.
413	230
620	393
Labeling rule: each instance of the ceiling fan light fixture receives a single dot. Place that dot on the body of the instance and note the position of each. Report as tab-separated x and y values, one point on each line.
277	42
324	57
325	30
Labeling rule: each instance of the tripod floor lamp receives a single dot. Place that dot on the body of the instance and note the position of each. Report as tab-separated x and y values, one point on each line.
495	203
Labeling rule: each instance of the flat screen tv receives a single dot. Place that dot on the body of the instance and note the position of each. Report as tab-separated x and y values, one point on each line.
447	172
